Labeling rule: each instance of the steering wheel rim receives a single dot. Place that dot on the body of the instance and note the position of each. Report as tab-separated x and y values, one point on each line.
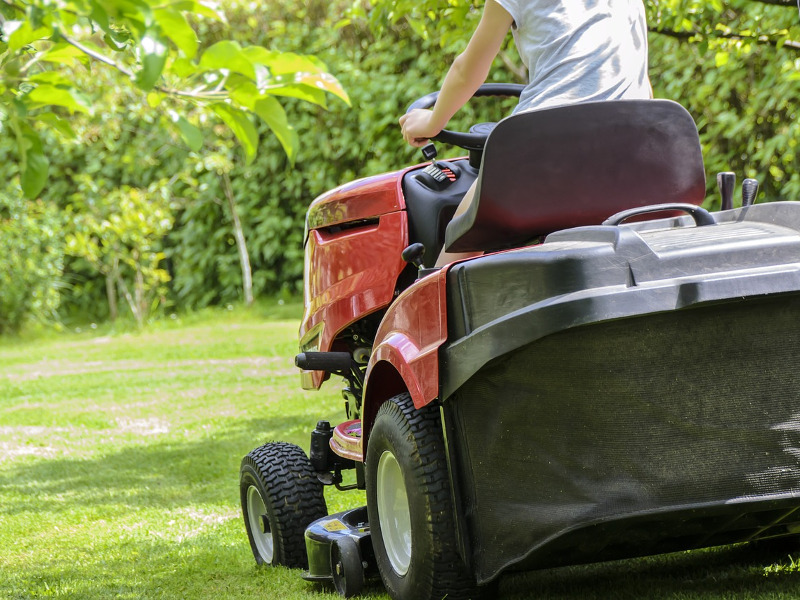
468	141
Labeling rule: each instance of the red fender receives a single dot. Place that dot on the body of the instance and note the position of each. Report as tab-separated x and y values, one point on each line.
405	355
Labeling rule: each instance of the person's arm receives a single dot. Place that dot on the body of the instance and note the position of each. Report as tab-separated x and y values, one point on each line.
468	71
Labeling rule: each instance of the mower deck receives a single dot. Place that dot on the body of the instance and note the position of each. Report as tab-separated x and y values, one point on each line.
340	551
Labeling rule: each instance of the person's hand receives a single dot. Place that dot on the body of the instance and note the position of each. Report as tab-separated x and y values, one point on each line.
417	127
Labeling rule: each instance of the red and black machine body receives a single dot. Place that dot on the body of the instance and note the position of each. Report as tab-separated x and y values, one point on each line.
615	375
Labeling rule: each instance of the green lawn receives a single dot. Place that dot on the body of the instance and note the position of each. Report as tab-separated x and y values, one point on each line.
119	458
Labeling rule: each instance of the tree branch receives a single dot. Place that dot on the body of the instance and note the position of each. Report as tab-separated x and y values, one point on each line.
96	55
778	2
758	39
10	4
127	72
519	71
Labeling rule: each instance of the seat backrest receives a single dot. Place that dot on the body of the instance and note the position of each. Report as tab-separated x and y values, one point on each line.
576	165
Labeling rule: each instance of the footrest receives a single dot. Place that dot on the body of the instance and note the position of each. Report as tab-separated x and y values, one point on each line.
346	440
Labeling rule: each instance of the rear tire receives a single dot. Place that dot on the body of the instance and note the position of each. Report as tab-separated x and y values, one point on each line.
410	506
280	496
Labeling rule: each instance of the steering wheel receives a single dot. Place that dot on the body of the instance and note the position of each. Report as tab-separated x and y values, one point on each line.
476	138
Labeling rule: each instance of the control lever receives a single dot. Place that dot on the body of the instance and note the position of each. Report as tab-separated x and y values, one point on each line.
726	182
413	254
749	191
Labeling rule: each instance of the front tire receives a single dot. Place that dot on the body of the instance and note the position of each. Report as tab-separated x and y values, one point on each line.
280	496
410	506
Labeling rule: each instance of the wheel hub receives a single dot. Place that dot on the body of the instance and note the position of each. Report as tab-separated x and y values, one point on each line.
259	525
394	513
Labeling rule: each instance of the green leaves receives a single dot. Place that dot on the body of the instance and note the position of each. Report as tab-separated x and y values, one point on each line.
64	54
205	8
273	115
271	112
155	46
229	56
54	90
450	23
31	260
120	234
253	75
23	34
178	30
190	134
33	162
737	76
154	57
299	76
241	127
56	123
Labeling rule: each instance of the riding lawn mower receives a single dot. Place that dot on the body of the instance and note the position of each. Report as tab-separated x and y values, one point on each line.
613	373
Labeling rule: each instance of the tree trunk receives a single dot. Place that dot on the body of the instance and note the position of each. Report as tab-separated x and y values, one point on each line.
111	294
241	245
138	289
125	292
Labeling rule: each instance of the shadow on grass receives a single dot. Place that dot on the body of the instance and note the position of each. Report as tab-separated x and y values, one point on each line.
160	519
163	472
124	487
726	572
202	567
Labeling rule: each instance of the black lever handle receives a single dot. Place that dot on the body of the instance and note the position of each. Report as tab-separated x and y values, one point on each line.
749	191
726	182
700	215
413	254
429	151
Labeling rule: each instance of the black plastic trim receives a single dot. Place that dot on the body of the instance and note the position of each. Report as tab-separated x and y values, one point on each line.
593	274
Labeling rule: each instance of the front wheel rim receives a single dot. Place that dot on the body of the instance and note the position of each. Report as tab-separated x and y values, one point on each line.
394	513
256	515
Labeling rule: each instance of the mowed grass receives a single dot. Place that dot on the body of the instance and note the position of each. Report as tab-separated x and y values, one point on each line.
119	460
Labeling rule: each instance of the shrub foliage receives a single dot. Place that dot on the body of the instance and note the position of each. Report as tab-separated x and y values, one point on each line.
734	66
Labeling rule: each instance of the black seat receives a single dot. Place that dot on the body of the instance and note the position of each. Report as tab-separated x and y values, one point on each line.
576	165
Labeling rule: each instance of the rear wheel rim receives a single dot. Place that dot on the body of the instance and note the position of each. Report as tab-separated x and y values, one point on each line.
394	513
256	514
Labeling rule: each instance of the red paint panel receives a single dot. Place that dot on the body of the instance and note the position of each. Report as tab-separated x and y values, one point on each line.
409	338
349	275
351	266
361	199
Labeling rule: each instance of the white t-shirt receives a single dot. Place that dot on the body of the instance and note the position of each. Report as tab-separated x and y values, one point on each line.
580	50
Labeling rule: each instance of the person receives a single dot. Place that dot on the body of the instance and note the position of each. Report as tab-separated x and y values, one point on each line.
574	51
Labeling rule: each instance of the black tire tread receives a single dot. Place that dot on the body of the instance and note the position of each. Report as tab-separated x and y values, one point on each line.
449	578
295	497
